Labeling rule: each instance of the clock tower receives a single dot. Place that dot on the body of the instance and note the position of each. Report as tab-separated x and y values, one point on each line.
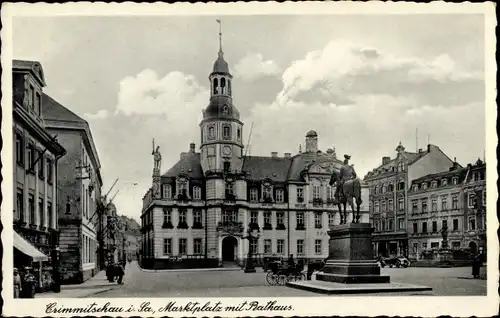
221	129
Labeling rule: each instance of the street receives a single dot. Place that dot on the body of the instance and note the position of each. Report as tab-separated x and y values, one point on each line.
223	283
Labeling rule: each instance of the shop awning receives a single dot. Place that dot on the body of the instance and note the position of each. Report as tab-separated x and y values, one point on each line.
26	248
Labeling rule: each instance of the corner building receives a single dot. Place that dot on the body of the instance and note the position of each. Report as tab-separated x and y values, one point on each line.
197	213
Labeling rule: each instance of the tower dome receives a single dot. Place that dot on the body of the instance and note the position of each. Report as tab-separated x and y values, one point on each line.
220	65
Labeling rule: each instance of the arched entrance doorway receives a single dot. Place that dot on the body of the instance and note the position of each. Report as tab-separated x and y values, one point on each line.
229	244
473	248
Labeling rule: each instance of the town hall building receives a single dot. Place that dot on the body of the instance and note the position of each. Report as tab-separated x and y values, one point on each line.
200	212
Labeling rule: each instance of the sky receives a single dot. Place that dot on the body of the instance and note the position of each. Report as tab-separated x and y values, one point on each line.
363	82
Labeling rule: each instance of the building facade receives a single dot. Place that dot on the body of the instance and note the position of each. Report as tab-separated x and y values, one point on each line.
475	207
79	186
36	153
388	203
436	204
199	212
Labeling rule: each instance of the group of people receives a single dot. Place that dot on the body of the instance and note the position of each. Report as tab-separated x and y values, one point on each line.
115	271
24	285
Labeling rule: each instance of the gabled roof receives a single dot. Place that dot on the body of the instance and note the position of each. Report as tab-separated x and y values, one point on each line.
52	110
459	172
259	168
412	157
32	66
188	165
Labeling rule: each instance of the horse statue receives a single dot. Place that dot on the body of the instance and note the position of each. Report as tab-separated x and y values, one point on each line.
346	192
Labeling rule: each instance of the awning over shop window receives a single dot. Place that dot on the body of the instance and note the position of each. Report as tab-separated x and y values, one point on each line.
26	248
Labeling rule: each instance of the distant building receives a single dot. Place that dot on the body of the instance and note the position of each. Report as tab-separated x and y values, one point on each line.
36	153
436	202
197	214
388	184
79	186
475	206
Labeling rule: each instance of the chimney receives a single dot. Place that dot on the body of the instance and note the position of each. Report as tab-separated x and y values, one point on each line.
385	160
420	150
429	148
274	154
192	147
288	154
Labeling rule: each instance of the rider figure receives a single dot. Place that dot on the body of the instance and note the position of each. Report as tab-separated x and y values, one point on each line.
346	173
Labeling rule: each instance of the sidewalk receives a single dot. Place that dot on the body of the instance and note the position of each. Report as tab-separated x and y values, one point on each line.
215	269
94	286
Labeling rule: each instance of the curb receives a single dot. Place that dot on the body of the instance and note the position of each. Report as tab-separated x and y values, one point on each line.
190	270
96	293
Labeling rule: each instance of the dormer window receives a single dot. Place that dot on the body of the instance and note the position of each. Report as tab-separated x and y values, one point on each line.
375	190
267	192
424	186
454	181
31	93
182	187
434	184
211	132
279	195
415	187
444	183
167	191
254	195
196	193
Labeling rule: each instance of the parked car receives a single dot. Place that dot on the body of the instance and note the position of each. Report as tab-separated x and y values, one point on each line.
398	261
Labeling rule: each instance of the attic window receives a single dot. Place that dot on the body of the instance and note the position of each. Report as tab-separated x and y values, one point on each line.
454	181
424	186
444	182
434	184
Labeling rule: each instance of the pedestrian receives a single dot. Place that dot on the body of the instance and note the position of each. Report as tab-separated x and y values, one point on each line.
476	265
17	284
120	272
110	272
28	285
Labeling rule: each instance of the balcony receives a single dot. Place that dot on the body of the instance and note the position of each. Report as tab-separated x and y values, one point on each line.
230	227
230	196
317	202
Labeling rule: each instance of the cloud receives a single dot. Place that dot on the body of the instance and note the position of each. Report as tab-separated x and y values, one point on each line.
343	70
100	114
253	67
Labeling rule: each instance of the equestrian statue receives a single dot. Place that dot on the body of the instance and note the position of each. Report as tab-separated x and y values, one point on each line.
348	188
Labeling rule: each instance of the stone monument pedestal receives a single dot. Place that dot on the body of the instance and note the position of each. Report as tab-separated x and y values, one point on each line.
350	259
351	268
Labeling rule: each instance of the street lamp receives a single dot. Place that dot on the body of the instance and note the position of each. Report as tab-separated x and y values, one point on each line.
252	236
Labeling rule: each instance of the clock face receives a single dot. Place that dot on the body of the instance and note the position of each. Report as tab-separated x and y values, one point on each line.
226	150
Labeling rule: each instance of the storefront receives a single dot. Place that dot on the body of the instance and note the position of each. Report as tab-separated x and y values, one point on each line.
27	255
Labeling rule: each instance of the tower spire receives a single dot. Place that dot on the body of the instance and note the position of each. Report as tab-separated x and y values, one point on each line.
220	37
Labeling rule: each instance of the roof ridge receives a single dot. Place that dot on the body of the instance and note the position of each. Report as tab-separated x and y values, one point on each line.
59	105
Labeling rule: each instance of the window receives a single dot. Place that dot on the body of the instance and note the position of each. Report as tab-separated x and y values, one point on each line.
330	191
254	217
376	225
484	197
229	189
229	216
383	225
239	133
267	247
280	218
454	203
31	158
300	219
472	223
471	200
318	220
401	204
49	215
401	223
300	247
41	165
226	132
377	207
424	186
49	170
444	204
31	208
415	188
227	166
20	204
68	206
181	188
197	246
197	216
267	218
167	246
211	132
444	183
375	189
401	185
254	195
424	206
167	191
19	149
267	192
41	212
182	246
30	97
444	224
279	195
424	246
434	244
254	247
331	219
280	245
391	206
391	225
216	84
300	194
434	205
455	245
384	188
390	187
415	248
454	181
316	191
415	227
424	227
384	206
317	247
434	184
434	226
455	224
182	216
167	216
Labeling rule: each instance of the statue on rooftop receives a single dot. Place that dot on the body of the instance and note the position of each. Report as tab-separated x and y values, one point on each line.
157	156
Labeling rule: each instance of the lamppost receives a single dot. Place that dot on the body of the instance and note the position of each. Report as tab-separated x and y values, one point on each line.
252	236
